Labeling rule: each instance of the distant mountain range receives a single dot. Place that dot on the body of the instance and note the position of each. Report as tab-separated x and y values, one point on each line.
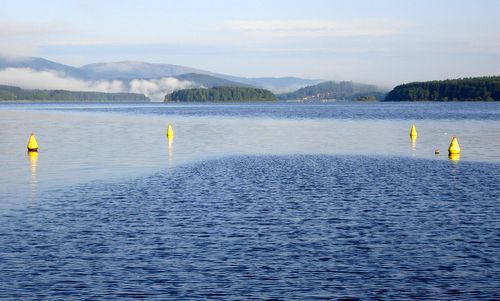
41	79
157	80
209	81
40	64
134	70
127	71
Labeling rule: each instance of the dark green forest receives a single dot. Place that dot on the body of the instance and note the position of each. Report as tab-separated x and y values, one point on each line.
16	93
335	90
464	89
221	94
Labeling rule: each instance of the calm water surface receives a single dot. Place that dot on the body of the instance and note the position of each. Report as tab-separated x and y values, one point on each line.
280	201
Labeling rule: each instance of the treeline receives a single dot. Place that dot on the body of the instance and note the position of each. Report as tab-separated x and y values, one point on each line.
465	89
334	90
16	93
221	94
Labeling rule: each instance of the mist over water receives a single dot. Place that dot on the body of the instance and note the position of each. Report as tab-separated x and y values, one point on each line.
28	78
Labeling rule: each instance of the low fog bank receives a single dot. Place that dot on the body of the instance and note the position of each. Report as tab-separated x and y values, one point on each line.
28	78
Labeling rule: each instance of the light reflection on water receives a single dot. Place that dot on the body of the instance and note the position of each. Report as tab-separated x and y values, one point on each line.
77	147
249	208
170	150
33	158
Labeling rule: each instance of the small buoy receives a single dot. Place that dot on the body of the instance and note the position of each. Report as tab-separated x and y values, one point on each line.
413	131
32	145
436	151
170	131
454	147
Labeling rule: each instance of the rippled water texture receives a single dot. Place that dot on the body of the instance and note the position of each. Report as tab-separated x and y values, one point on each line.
250	202
295	227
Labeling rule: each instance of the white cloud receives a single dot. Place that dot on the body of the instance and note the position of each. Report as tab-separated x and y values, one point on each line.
314	28
32	79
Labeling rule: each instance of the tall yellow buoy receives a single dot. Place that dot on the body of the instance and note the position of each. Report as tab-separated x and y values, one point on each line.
454	148
170	131
413	131
32	145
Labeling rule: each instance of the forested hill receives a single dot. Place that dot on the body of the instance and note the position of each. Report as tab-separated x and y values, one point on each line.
465	89
16	93
221	94
334	90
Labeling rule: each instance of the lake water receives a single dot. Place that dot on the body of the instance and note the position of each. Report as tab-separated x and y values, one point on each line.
256	201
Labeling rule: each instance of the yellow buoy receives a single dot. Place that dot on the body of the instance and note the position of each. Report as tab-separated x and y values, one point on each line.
170	131
454	148
32	145
454	157
413	131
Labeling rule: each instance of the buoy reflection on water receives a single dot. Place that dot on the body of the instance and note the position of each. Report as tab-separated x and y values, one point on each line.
413	142
33	157
170	147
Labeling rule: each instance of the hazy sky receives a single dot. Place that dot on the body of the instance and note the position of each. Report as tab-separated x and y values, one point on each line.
380	42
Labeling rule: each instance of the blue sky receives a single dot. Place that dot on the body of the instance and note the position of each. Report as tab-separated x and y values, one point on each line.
380	42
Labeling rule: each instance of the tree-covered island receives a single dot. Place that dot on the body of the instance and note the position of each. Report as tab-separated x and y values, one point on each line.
465	89
12	93
221	94
332	90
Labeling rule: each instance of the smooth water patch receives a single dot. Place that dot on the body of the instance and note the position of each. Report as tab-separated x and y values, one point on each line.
260	227
77	147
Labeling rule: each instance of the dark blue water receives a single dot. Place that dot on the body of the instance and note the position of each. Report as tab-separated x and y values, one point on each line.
338	110
263	227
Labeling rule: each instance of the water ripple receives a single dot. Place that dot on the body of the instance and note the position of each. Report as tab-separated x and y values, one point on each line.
263	227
